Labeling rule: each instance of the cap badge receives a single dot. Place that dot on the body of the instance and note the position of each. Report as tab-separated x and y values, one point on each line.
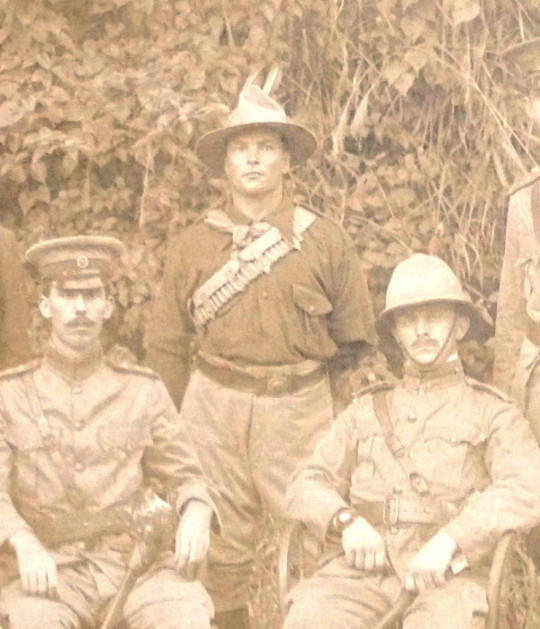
82	262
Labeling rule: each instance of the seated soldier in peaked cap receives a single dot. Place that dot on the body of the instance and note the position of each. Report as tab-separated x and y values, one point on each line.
416	478
80	441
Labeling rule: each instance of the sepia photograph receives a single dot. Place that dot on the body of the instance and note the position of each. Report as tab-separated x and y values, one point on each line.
269	314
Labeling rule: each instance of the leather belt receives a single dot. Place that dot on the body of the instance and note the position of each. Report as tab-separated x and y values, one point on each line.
54	527
395	510
533	332
259	380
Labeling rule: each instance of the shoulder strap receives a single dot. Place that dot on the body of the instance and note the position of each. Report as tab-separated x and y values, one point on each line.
380	407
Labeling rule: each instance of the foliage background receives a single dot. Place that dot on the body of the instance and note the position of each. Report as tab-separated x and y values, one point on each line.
420	113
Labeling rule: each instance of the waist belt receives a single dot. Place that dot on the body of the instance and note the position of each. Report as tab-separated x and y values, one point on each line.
260	380
395	510
533	332
54	527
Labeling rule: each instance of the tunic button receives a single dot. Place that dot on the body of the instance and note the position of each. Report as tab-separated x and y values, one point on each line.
398	489
77	389
411	419
79	425
81	545
79	467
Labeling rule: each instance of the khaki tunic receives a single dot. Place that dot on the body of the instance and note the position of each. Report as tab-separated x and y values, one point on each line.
472	447
87	438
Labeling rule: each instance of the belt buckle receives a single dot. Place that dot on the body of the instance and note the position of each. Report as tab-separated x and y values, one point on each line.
277	384
391	510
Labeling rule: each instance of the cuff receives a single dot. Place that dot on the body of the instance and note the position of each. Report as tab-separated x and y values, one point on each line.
197	491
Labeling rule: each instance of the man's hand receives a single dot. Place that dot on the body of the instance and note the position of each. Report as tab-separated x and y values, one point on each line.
428	567
37	567
193	537
364	546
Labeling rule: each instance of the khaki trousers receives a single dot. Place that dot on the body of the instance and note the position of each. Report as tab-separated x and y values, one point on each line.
249	446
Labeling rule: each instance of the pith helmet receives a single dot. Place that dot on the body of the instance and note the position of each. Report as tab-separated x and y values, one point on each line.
256	109
424	279
74	257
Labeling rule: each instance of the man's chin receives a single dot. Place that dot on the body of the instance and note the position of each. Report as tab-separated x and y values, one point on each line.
425	358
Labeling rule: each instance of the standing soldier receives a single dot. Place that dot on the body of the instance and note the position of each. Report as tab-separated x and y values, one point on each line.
270	292
417	477
517	331
14	316
80	438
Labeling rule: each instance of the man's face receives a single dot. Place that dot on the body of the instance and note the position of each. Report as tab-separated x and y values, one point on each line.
76	309
428	333
255	162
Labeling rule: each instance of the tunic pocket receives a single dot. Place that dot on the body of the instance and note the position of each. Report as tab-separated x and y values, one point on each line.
123	437
312	308
447	448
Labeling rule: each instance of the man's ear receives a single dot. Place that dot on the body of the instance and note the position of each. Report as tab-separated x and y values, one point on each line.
44	306
286	166
109	308
462	326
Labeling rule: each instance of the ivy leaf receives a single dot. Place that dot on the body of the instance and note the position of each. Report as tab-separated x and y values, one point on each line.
465	11
13	111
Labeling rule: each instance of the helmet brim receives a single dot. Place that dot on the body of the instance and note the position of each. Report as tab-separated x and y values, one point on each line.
481	325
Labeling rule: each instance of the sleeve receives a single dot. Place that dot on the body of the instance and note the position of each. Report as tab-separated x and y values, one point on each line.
511	320
512	501
321	487
170	331
352	315
14	310
11	521
172	459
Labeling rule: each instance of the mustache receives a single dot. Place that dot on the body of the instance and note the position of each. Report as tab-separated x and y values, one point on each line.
80	322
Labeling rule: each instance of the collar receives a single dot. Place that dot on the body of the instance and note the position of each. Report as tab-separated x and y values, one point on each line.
74	369
282	217
447	374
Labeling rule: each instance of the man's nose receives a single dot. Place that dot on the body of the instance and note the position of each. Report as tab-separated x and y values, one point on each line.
80	303
420	326
253	154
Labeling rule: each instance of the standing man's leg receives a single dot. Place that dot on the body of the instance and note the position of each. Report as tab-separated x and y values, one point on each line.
220	423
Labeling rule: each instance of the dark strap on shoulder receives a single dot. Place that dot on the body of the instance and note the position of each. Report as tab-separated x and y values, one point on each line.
535	208
380	406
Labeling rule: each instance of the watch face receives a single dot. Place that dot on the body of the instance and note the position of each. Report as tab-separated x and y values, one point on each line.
345	517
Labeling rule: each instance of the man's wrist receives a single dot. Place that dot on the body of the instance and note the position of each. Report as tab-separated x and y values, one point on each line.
341	520
200	509
23	538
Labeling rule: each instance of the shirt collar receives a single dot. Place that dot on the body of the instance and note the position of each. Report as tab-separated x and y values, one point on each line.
74	369
447	374
282	217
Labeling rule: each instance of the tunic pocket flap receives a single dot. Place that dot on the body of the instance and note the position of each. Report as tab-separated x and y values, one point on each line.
455	432
123	437
311	301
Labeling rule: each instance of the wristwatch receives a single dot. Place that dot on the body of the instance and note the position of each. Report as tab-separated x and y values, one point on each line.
342	519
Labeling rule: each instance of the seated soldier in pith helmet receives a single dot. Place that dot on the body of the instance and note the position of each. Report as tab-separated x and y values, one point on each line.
415	478
79	439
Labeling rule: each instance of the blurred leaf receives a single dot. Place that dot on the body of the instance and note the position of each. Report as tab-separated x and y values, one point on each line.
465	11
